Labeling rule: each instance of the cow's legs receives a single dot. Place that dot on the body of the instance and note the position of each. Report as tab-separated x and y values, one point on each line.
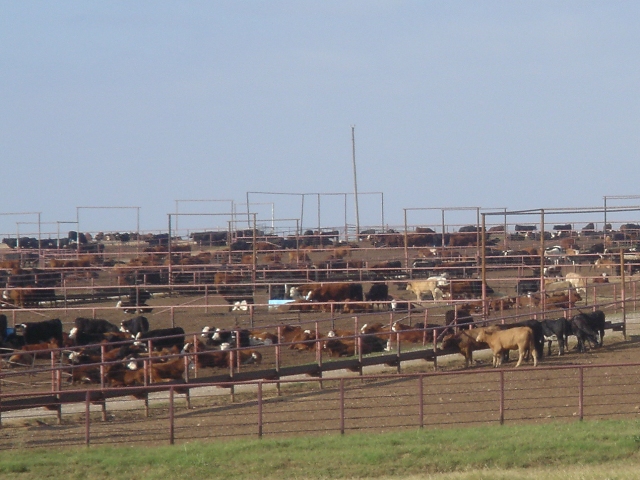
497	358
520	356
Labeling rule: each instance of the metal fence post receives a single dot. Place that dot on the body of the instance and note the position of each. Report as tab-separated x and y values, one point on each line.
501	397
342	406
102	369
206	298
87	417
581	392
278	359
398	368
171	425
421	399
260	409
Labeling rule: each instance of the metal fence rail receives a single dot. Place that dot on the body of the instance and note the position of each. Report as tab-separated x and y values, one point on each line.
375	403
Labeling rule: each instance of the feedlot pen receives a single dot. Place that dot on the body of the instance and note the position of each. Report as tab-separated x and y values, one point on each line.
376	403
601	383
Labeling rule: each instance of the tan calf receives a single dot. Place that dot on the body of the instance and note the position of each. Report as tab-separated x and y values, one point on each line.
517	338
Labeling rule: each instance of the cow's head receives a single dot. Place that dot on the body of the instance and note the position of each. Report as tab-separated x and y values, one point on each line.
205	332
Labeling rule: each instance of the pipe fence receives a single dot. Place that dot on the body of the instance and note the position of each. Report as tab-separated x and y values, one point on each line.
371	403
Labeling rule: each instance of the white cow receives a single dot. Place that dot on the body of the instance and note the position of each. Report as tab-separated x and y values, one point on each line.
551	285
430	285
578	281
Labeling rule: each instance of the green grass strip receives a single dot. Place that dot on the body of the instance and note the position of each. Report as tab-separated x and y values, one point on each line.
482	452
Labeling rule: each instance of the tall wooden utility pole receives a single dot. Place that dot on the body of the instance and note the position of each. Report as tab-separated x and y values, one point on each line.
355	180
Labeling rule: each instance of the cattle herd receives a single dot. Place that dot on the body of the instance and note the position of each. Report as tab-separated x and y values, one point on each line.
369	277
98	351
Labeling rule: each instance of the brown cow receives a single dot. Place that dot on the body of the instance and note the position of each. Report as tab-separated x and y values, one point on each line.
263	338
340	348
465	343
602	279
304	340
28	296
529	300
517	338
166	371
86	374
298	338
380	330
337	332
337	292
356	307
415	334
301	292
221	358
563	300
299	257
504	303
348	346
299	306
119	375
289	332
28	353
463	239
342	252
82	262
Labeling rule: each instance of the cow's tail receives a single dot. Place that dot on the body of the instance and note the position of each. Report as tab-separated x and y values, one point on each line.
535	348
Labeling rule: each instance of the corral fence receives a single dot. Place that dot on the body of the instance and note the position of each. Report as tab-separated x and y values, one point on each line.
372	403
265	403
620	292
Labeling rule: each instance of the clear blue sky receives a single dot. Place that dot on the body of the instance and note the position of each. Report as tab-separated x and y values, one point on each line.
456	103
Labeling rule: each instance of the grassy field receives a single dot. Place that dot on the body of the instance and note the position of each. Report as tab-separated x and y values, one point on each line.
604	449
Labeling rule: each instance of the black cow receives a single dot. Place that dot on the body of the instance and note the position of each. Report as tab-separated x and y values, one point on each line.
135	325
174	337
583	331
216	337
40	332
88	331
373	343
138	297
462	319
8	337
136	302
3	328
557	329
528	285
379	292
596	322
92	326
